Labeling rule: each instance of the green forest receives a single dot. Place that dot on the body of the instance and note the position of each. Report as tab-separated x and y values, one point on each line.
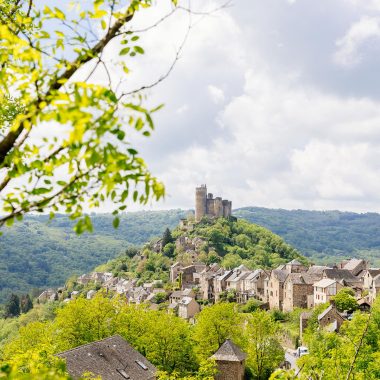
324	236
38	252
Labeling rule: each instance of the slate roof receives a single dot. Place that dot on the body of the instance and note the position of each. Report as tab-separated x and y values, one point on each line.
373	271
185	300
340	274
230	352
317	269
302	278
376	280
111	358
352	264
325	312
280	274
324	283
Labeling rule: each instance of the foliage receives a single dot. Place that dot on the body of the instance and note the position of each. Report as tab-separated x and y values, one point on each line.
163	338
351	354
38	253
26	303
167	238
262	341
49	60
323	236
169	249
345	300
235	242
250	306
12	307
214	324
355	349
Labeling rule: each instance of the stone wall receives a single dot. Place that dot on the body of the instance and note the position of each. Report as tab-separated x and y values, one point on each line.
230	370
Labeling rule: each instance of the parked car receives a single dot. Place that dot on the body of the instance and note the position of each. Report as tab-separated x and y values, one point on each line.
301	351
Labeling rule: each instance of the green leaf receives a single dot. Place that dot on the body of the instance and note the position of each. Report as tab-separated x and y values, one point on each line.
104	24
124	51
116	222
138	49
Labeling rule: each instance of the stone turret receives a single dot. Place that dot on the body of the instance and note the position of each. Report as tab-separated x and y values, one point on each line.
200	202
207	205
230	360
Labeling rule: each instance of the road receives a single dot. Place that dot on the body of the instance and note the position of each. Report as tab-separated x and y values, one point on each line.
291	358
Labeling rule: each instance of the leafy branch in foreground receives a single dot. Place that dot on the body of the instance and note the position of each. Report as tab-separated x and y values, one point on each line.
64	135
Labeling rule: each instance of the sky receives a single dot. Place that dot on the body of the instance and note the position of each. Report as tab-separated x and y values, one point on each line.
272	103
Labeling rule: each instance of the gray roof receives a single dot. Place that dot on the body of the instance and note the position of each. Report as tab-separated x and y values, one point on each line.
230	352
340	274
280	274
111	358
324	313
302	278
352	264
317	269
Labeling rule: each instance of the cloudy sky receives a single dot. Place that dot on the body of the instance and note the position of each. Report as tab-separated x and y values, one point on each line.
273	103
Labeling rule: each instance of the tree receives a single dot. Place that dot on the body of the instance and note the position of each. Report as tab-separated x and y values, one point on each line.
351	354
167	238
345	300
12	307
214	324
169	250
26	303
262	341
49	59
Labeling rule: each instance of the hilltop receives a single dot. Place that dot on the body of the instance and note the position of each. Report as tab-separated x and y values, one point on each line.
228	242
38	253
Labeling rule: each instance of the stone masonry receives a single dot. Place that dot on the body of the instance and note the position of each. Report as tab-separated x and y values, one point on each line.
207	205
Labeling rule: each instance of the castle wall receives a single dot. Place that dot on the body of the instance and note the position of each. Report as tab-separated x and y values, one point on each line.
206	204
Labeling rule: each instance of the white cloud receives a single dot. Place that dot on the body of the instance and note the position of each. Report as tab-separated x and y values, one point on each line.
252	127
349	47
216	94
291	147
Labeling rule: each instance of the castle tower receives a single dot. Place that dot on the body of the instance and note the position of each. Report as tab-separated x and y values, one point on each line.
218	207
230	360
200	202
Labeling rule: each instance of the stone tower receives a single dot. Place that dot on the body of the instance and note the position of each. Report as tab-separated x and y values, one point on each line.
230	360
200	202
207	205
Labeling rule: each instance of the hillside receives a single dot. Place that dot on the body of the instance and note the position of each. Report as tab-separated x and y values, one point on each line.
228	242
322	235
39	253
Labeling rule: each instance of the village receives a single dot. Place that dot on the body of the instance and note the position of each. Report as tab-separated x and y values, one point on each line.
193	285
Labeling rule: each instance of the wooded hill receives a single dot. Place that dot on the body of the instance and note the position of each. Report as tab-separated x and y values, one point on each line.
38	253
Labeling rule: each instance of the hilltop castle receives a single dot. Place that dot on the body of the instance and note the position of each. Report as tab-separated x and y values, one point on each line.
207	205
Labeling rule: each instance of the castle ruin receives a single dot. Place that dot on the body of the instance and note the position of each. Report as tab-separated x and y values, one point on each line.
207	205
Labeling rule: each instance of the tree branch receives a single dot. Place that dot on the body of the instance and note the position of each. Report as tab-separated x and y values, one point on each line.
7	143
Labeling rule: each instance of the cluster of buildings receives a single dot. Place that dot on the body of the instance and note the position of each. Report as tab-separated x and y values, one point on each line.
292	285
